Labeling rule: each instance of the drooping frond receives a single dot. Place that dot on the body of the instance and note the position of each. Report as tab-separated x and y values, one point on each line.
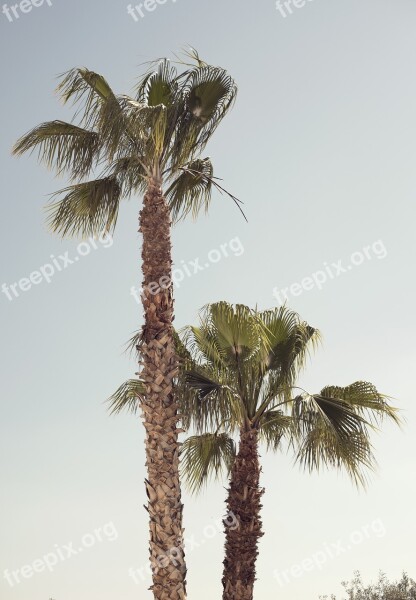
100	109
204	456
83	83
207	402
204	385
87	208
86	87
331	434
274	425
191	191
127	397
131	172
62	146
366	400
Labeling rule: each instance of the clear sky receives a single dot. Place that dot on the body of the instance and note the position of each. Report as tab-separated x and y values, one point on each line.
321	147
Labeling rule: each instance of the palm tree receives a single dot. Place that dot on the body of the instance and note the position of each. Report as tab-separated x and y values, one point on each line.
240	369
142	145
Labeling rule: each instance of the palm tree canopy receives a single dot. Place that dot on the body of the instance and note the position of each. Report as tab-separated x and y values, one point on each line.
241	371
159	132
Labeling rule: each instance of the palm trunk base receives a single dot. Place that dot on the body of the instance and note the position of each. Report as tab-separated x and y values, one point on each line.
244	503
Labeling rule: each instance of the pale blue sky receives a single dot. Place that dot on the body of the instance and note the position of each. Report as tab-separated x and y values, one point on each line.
321	148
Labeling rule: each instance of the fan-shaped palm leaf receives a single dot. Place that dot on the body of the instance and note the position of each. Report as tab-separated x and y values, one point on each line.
127	397
203	456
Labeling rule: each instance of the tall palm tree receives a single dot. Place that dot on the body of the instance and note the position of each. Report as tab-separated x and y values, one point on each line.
148	144
240	370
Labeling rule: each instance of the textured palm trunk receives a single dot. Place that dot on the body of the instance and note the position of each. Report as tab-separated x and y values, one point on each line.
243	501
160	410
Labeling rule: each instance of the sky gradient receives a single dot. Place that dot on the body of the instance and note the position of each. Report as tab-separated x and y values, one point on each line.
321	148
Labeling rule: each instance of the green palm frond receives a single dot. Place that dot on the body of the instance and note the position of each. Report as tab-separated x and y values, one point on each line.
191	191
204	385
274	425
289	338
127	397
159	134
83	83
99	107
236	329
159	86
244	366
63	146
210	93
366	400
206	402
204	456
207	95
332	434
87	209
130	171
87	88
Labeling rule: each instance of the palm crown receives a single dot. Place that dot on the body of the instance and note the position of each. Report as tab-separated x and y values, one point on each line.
158	134
240	373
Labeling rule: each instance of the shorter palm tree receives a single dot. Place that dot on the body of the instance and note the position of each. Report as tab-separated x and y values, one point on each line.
240	370
236	382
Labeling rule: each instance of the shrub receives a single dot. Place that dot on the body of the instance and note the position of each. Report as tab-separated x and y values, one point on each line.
404	589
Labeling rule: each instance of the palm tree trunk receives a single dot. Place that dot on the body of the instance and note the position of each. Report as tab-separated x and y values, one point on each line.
160	410
243	502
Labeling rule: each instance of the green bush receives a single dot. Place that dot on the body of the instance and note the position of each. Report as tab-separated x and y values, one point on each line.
404	589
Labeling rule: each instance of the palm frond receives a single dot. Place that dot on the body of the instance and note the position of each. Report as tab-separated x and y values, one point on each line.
208	93
191	191
366	400
159	85
205	401
204	456
80	85
63	146
133	344
274	425
87	208
100	109
204	385
332	434
193	55
131	172
236	329
127	397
